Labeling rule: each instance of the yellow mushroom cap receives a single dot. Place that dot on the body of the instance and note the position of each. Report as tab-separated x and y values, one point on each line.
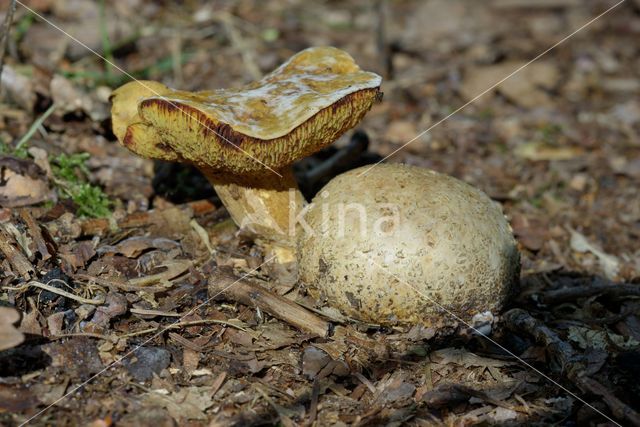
301	107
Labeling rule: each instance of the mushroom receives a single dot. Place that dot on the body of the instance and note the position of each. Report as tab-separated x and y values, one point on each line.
244	140
402	244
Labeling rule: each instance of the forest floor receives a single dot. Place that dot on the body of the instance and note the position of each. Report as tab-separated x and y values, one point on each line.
103	252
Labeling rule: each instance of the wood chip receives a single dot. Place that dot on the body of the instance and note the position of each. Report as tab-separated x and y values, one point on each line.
15	257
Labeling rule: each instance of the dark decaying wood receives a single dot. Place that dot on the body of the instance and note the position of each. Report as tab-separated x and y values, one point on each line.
572	293
569	363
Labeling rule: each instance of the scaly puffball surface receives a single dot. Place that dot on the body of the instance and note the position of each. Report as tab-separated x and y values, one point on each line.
405	245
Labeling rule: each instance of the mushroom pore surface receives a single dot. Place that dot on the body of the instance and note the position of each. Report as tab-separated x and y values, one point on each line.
400	243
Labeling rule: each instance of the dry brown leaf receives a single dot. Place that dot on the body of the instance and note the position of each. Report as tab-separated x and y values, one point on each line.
77	255
527	88
173	269
9	335
610	264
529	231
187	403
464	358
30	323
313	360
134	246
41	158
77	357
16	398
190	360
22	183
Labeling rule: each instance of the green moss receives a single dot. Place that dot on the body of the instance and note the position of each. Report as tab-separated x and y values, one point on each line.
70	167
71	172
91	200
8	150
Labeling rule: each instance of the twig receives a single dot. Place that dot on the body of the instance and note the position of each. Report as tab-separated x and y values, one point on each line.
4	33
217	383
571	364
185	342
175	47
113	339
364	380
313	406
147	312
179	325
227	355
117	284
46	287
519	320
255	295
607	320
575	292
449	394
285	414
174	269
618	408
106	42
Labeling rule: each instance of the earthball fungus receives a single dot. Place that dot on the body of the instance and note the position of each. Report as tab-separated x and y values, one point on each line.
245	139
401	244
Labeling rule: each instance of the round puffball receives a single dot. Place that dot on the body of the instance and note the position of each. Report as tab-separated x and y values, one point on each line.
405	245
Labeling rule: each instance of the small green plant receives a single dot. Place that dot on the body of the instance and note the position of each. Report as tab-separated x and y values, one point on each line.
8	150
70	167
20	148
91	201
70	171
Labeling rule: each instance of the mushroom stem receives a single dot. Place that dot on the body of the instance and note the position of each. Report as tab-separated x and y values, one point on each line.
265	205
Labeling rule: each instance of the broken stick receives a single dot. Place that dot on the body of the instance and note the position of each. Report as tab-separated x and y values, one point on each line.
568	362
573	293
251	294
